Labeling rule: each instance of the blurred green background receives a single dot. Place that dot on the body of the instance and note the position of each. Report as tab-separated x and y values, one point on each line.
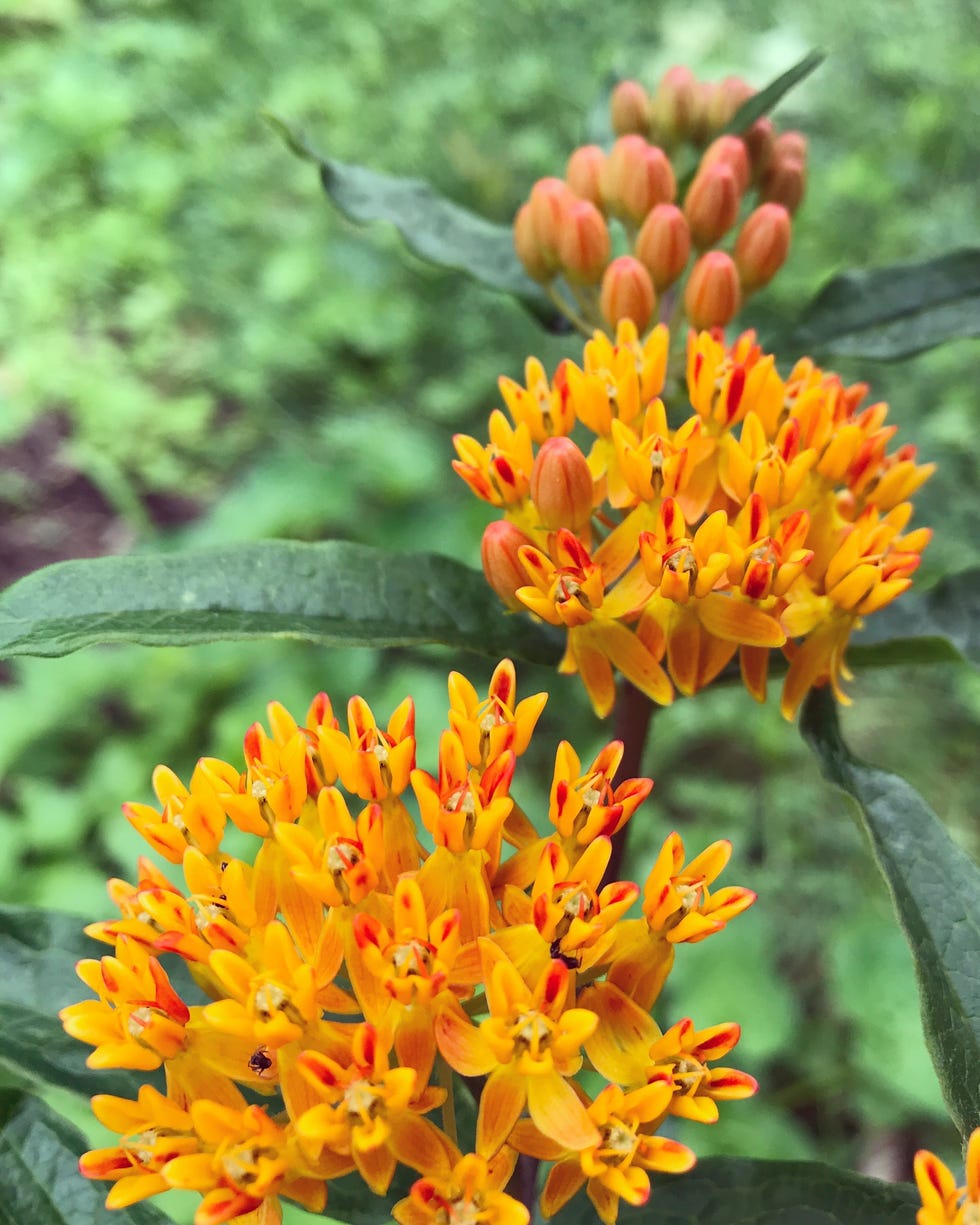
194	348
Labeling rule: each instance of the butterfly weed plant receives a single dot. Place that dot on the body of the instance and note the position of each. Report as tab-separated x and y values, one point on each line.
370	976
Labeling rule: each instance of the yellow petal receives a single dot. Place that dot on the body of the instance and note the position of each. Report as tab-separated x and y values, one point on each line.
558	1113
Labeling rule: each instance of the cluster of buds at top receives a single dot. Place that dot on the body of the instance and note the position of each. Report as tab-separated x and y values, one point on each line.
768	514
348	977
622	226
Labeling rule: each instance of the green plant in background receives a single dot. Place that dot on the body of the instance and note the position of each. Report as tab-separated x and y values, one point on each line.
346	594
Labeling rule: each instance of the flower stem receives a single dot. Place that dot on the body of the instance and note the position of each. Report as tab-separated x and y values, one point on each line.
523	1183
633	713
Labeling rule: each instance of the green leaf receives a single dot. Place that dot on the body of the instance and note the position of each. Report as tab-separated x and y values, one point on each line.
742	1191
765	100
39	1154
38	951
935	888
332	594
933	626
434	228
887	314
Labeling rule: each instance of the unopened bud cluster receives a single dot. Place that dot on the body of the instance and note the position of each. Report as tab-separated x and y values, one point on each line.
624	225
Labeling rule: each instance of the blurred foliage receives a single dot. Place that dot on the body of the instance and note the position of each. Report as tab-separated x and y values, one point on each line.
174	286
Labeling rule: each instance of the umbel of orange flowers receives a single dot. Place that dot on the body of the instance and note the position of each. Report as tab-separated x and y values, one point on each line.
347	976
667	528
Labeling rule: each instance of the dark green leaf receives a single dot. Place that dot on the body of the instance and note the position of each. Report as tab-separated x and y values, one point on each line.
936	891
742	1191
38	951
763	102
932	626
333	594
891	313
39	1154
435	229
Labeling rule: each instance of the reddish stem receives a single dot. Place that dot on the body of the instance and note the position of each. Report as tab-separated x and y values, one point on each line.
633	713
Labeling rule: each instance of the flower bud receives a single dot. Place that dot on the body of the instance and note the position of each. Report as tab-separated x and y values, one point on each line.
762	245
784	182
672	110
584	244
535	263
648	180
583	173
629	105
627	293
663	245
726	97
731	151
549	203
759	140
501	564
790	145
711	204
712	296
561	485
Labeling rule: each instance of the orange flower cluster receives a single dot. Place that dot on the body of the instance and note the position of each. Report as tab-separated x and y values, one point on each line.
565	230
772	516
346	973
943	1202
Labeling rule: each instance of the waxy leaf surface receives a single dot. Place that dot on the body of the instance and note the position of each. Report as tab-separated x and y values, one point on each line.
434	228
39	1154
935	887
38	952
745	1191
890	313
331	594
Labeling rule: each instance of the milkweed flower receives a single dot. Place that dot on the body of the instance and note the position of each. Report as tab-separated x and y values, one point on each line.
349	976
759	514
943	1202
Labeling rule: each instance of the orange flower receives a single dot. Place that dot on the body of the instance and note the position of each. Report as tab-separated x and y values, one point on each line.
527	1048
943	1203
472	1192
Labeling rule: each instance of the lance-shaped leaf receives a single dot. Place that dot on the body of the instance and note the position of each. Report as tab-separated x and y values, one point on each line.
38	951
933	626
744	1191
891	313
333	594
763	102
39	1154
936	890
434	228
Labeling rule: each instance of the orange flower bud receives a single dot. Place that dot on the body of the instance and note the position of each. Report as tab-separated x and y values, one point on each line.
663	245
584	245
726	97
501	564
784	182
712	296
627	293
759	140
790	145
711	204
762	245
629	106
674	106
731	151
536	265
648	181
561	485
583	173
549	203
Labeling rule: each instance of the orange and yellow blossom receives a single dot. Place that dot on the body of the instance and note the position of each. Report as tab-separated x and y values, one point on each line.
472	1194
464	963
762	514
943	1202
615	1167
527	1048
